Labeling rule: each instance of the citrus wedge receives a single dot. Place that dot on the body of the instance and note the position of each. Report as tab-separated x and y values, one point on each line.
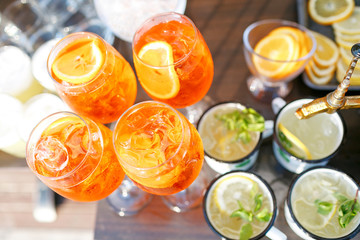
79	62
326	12
327	52
231	189
295	140
157	74
350	25
277	47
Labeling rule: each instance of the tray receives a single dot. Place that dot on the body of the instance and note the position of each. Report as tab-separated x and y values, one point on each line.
305	20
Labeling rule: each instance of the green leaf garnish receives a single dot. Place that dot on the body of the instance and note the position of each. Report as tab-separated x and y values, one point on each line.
261	215
243	122
258	202
324	208
348	208
246	231
264	215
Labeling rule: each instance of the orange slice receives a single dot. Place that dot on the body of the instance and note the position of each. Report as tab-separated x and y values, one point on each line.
158	76
278	47
326	12
79	62
299	36
321	71
327	52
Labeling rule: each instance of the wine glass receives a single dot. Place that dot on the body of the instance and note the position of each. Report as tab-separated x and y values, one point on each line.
173	62
158	148
74	156
280	61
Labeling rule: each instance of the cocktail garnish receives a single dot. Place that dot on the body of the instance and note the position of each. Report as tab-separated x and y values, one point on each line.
323	208
261	215
288	139
348	208
243	122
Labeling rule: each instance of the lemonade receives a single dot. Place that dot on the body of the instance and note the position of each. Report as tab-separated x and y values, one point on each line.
321	134
316	199
223	146
236	192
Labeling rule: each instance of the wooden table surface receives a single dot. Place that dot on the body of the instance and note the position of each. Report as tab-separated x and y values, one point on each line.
222	23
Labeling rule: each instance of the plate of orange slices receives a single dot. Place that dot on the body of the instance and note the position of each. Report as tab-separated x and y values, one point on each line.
336	27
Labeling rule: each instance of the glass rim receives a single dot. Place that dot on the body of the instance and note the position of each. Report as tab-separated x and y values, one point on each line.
160	15
30	148
252	175
308	161
240	160
129	112
299	177
63	42
281	22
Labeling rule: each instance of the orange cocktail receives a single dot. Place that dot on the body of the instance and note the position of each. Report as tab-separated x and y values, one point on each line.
158	148
172	61
74	156
92	77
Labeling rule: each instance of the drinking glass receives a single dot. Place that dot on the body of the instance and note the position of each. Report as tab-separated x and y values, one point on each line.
271	77
124	17
313	189
160	151
186	77
322	135
102	96
16	78
24	24
223	151
222	198
74	156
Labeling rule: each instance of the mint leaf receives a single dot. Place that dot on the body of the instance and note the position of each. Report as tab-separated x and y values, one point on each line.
264	215
258	202
246	215
347	211
243	122
245	232
324	208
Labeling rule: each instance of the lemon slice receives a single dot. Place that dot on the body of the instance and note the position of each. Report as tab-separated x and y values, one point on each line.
158	76
231	189
350	25
327	52
319	80
296	141
326	12
307	215
79	62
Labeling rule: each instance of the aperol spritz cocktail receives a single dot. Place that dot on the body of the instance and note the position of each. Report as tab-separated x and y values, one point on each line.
172	61
74	156
158	148
92	77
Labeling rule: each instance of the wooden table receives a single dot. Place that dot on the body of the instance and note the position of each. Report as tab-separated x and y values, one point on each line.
222	24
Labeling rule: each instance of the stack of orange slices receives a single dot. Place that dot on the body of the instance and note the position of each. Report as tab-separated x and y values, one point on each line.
279	51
